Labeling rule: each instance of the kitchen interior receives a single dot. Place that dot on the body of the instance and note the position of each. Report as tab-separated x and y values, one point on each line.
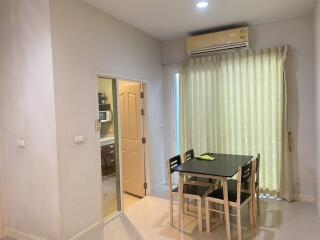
110	167
109	159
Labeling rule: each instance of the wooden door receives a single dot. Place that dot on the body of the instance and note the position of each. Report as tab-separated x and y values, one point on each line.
131	140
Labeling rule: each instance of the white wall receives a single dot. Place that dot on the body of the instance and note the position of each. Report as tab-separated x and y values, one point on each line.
298	33
48	96
86	42
27	113
317	93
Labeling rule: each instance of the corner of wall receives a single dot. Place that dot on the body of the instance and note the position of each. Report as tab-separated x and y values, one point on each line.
316	25
3	16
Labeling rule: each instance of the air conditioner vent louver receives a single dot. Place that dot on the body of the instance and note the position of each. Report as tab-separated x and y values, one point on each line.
219	41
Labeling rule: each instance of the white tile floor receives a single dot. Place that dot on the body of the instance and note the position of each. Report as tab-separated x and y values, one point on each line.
129	200
109	190
110	198
149	219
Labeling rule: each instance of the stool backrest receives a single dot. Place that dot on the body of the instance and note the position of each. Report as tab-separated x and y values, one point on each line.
172	163
246	172
257	171
189	155
244	176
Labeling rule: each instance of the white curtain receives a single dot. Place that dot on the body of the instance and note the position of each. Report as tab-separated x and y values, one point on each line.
236	103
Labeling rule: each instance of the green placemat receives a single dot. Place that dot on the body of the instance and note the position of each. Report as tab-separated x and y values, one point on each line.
206	158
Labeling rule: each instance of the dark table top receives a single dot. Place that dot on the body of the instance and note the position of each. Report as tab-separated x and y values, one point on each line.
224	165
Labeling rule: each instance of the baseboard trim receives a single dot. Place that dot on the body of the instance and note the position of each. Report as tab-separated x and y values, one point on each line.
158	185
151	190
3	234
87	230
19	235
304	198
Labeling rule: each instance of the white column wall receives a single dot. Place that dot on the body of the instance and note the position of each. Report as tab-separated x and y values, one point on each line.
87	42
30	174
316	21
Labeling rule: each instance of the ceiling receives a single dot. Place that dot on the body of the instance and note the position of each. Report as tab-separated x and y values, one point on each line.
171	19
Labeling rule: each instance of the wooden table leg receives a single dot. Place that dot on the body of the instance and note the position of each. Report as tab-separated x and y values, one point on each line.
180	199
226	207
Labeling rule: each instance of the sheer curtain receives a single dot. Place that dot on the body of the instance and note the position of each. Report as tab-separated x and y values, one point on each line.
236	103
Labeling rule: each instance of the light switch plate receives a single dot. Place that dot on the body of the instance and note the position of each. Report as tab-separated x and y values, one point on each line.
78	139
20	143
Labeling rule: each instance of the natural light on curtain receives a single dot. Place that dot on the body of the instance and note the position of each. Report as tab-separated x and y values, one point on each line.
236	104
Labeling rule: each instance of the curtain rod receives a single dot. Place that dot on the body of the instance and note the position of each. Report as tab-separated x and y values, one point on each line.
219	53
172	62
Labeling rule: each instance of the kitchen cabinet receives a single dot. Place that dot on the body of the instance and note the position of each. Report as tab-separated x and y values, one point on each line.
108	166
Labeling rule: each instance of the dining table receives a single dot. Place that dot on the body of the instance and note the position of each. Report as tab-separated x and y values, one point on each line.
222	167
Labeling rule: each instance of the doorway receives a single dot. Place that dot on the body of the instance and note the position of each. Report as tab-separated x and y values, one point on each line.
132	138
109	145
121	133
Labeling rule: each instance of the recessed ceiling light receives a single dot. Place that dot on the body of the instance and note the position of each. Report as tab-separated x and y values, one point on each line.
202	4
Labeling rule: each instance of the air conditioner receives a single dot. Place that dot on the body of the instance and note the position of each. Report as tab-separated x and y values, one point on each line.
230	39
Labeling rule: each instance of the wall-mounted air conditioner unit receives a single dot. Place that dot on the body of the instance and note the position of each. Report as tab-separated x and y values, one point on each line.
230	39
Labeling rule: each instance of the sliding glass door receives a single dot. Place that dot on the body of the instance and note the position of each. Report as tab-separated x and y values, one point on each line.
173	78
173	84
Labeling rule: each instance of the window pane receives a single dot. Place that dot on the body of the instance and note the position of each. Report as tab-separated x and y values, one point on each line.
177	78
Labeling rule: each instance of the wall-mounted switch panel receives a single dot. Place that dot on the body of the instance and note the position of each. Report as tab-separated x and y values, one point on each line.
20	143
78	139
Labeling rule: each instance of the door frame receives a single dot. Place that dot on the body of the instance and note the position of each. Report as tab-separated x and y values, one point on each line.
145	133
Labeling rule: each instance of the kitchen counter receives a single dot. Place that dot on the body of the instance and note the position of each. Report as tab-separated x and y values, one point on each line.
106	140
